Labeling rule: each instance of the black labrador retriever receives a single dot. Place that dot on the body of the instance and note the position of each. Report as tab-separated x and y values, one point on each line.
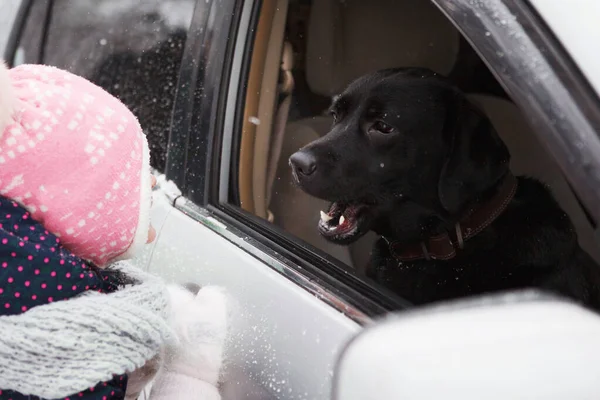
410	158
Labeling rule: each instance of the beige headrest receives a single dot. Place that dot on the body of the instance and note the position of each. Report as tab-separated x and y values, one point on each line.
348	38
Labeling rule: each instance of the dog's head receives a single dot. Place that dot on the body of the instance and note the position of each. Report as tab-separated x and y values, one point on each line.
399	136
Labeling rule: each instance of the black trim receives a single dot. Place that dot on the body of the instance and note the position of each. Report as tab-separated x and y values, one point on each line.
183	107
16	32
206	150
193	151
197	116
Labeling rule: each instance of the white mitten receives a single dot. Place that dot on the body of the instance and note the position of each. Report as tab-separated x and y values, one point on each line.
191	368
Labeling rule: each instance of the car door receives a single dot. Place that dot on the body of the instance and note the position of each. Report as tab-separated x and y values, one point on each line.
297	306
289	322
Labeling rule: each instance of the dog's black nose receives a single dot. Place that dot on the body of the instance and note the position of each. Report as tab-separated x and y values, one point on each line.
303	162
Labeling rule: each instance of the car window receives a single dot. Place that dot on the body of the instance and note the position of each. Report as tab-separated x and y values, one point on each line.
303	55
131	48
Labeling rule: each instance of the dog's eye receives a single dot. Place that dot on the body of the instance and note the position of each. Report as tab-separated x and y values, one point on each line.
382	127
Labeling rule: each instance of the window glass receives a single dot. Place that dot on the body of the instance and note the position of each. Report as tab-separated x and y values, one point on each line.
305	53
131	48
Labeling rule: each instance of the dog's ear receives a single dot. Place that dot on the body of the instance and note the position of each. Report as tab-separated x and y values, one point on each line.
476	157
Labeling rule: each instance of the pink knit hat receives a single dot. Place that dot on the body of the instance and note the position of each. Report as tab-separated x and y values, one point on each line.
76	158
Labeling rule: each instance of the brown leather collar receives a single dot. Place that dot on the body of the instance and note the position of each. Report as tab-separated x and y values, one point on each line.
443	247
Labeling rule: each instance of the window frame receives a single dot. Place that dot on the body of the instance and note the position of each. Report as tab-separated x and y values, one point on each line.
200	99
307	266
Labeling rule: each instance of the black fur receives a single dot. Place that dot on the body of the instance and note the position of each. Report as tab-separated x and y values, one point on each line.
409	148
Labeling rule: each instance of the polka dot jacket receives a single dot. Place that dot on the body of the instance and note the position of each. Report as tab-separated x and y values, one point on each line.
35	269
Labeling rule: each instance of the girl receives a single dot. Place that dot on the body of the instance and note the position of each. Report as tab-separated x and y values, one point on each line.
75	195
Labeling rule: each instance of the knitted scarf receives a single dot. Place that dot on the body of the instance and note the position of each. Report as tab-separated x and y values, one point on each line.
69	346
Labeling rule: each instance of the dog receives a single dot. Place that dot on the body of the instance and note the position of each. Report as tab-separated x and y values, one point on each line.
410	158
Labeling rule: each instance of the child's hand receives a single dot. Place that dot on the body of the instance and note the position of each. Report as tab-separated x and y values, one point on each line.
191	367
201	326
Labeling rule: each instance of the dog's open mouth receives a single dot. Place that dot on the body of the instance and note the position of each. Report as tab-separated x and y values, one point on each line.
343	221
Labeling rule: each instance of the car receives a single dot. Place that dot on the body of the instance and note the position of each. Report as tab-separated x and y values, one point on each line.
227	90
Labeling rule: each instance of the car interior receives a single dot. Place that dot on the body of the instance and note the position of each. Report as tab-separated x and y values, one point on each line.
305	52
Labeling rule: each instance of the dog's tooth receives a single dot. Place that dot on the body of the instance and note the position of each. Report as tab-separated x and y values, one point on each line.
342	219
325	217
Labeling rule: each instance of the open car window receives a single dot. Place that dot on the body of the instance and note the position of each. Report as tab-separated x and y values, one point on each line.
291	75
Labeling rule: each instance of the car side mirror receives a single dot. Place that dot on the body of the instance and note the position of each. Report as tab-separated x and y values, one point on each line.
525	345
